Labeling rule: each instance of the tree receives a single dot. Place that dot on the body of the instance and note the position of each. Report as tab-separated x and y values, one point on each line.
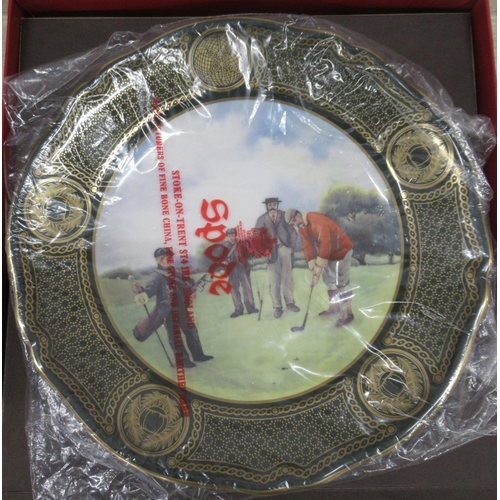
202	261
367	218
122	272
374	234
350	201
345	201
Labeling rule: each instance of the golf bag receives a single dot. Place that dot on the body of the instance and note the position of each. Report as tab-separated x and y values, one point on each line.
148	326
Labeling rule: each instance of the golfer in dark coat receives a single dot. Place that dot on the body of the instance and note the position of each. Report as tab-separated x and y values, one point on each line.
280	260
240	274
160	285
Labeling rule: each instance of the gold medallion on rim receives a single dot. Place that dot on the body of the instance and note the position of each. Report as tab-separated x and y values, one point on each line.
219	59
150	421
57	210
420	156
393	384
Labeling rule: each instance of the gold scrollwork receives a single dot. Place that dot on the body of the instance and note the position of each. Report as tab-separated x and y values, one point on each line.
393	384
151	422
420	156
57	210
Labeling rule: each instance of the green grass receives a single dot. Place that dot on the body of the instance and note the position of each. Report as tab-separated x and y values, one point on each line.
263	360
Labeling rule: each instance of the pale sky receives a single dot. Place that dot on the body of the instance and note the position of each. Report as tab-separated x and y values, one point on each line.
237	151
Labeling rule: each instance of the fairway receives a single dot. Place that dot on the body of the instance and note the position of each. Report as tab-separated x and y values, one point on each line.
263	360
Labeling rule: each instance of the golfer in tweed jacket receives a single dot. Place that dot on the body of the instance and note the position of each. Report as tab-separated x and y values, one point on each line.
280	260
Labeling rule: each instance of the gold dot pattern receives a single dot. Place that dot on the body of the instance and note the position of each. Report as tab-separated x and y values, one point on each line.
122	97
74	341
439	290
338	74
263	443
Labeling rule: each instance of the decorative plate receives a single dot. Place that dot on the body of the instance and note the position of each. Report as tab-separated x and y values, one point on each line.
249	255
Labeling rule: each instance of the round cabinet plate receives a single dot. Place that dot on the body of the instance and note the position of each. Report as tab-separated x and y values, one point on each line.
249	255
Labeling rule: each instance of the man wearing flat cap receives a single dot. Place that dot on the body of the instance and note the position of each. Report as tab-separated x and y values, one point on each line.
328	252
165	281
240	274
280	258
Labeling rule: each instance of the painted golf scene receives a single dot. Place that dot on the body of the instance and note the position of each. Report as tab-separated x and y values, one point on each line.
248	250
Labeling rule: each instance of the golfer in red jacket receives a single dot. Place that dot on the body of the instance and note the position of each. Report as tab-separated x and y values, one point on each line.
328	252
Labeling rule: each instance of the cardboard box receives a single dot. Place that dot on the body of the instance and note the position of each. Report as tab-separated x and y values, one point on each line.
433	33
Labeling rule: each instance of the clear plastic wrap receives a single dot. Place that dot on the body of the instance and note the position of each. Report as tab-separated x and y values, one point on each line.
305	206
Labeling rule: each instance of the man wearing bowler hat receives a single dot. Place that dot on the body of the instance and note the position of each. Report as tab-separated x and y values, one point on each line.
280	258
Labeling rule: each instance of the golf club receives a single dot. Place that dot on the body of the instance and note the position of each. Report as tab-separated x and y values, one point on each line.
261	299
301	328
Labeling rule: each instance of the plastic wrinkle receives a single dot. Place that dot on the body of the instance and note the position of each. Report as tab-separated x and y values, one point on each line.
66	461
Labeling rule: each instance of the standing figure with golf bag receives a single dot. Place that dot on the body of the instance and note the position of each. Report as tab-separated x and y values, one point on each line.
166	312
328	252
